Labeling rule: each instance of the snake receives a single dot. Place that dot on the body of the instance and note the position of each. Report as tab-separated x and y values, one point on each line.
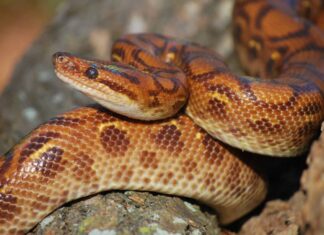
173	118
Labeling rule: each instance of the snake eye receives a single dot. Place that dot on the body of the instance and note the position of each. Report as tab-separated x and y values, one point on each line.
91	73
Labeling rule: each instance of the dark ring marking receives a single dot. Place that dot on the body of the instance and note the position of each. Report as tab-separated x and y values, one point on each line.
119	88
157	50
130	78
304	32
261	15
159	86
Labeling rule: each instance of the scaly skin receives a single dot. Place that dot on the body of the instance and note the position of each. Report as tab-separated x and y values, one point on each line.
275	117
90	149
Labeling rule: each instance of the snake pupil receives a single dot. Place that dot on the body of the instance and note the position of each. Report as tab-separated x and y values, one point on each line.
91	73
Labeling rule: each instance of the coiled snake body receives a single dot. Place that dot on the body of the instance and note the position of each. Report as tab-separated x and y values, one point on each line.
91	149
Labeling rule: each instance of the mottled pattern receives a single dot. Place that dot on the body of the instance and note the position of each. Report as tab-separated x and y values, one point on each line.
89	149
114	140
278	114
168	138
173	156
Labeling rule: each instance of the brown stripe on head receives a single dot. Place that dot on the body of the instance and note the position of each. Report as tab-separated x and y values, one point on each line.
119	88
171	87
262	13
118	54
208	75
154	102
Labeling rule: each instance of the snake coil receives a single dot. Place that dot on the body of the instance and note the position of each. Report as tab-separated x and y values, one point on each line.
151	78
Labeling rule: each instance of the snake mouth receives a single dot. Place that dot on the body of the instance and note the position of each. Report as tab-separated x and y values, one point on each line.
69	71
111	102
79	85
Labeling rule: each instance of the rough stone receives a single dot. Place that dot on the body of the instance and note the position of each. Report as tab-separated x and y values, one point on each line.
129	213
313	187
278	217
303	213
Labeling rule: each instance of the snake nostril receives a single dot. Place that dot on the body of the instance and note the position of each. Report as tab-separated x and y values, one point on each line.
60	57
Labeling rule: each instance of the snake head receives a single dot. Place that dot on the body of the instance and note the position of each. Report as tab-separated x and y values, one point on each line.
102	81
85	71
118	87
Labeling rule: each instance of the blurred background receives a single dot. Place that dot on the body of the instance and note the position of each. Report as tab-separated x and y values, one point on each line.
21	21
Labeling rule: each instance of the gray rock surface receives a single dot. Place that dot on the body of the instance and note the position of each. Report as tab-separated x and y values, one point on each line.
129	213
303	213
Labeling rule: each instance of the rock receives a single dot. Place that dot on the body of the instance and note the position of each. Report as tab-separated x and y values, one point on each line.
303	213
313	186
278	218
129	213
